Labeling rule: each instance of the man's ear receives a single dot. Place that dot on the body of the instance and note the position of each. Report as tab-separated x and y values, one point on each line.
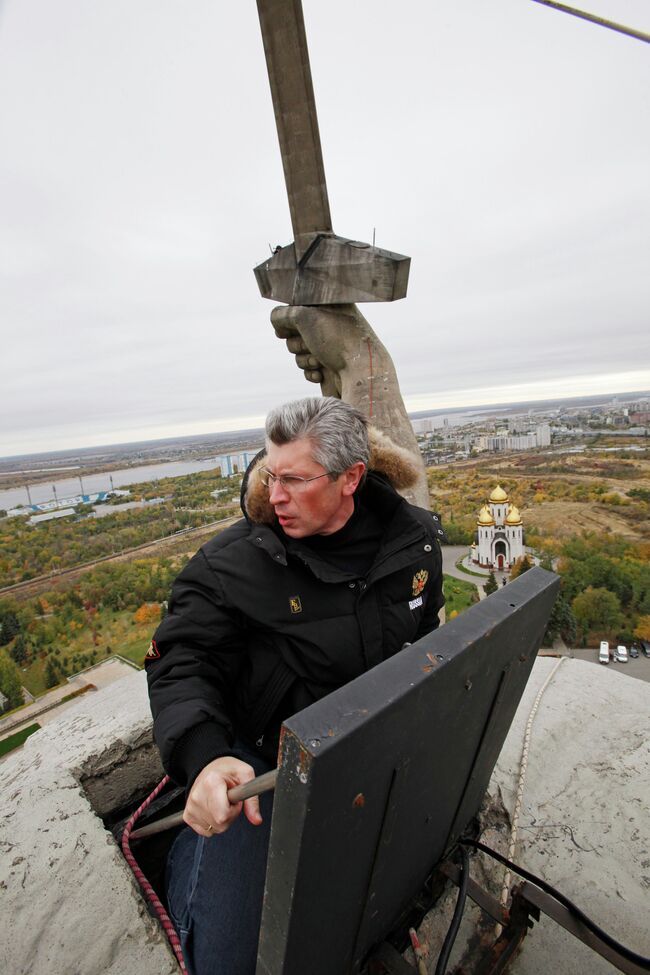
351	478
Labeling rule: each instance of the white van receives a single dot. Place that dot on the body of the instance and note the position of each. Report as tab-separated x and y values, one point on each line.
621	654
603	653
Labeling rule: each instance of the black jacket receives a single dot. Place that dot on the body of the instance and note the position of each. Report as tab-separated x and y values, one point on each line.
260	626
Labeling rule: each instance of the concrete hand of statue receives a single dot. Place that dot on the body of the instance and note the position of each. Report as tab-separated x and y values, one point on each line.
208	810
335	346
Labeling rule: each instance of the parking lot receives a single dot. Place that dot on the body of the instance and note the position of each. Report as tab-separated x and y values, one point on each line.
633	668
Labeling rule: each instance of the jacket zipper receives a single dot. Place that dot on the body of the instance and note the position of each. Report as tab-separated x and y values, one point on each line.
275	691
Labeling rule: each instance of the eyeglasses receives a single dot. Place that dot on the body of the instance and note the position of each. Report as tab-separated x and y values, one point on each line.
290	482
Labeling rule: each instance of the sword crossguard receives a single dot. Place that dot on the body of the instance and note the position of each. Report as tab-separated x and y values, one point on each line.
333	271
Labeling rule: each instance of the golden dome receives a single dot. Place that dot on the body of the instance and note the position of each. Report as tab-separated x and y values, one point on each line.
514	518
498	495
485	516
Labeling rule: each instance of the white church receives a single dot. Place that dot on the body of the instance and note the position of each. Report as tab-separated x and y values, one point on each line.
499	539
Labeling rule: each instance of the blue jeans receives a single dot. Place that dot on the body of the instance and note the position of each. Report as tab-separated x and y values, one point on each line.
215	888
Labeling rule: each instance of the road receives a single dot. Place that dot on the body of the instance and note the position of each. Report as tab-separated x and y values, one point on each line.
450	555
633	668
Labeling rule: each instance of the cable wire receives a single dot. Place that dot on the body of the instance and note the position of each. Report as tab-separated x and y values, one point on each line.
627	953
452	933
593	19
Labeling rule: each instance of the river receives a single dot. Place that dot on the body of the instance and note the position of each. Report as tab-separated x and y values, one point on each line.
69	486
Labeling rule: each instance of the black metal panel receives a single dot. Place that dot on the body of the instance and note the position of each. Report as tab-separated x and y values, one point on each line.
379	779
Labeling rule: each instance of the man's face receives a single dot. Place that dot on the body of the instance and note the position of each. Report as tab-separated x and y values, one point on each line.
318	508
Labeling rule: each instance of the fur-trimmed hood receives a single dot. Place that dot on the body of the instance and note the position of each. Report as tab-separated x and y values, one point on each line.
395	463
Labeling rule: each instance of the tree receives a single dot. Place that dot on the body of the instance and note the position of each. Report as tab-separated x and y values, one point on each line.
598	610
601	563
18	652
9	626
10	683
51	675
642	628
458	534
521	565
490	585
562	622
147	613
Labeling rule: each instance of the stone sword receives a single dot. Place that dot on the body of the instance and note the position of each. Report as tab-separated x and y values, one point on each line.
319	267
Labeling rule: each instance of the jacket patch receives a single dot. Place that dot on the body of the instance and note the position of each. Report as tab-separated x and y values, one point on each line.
152	653
414	603
419	581
295	604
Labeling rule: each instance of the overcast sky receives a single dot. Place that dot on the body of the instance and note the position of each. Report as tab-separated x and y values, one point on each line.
504	146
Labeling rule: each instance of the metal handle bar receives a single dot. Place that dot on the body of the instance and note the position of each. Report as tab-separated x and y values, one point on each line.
263	783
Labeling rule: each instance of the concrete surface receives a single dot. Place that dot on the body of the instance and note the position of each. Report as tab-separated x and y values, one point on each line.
74	909
50	705
72	902
584	819
584	823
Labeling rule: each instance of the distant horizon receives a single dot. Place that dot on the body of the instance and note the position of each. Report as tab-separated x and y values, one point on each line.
414	414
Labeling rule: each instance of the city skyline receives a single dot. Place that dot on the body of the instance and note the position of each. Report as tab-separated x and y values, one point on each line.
476	413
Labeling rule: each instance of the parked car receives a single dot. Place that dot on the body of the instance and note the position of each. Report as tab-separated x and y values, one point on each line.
633	651
620	654
645	648
603	653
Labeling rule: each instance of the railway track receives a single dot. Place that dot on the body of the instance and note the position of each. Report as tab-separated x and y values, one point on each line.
32	587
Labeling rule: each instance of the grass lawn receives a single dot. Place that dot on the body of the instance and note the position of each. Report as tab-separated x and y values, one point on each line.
459	595
120	634
126	637
34	677
117	632
16	740
463	568
135	648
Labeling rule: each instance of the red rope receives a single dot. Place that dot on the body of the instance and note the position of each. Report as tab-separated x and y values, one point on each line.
150	893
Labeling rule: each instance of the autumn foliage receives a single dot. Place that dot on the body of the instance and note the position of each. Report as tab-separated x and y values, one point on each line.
642	629
147	613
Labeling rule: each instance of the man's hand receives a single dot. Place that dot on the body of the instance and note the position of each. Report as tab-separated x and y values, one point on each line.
208	810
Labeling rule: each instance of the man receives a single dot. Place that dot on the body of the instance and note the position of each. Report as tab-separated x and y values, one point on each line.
329	573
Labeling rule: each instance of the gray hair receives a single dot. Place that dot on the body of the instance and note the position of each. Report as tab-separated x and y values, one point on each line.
338	431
